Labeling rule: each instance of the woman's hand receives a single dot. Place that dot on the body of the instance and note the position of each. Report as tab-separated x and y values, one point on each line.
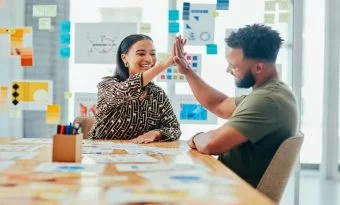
147	137
182	64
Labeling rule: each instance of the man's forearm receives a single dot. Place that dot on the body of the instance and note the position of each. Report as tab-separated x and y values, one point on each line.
208	96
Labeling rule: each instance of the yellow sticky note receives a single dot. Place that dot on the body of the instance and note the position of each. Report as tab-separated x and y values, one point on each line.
51	10
53	114
284	17
67	95
269	18
145	28
38	10
284	5
3	98
269	5
15	112
215	14
45	23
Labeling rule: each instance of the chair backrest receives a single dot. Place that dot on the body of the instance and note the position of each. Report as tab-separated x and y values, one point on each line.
275	178
85	124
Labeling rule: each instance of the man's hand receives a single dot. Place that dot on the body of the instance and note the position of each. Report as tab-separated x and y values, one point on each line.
182	64
147	137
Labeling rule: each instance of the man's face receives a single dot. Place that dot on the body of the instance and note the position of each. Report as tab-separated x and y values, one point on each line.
240	68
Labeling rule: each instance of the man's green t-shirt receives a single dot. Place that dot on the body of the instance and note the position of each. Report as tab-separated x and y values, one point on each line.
266	117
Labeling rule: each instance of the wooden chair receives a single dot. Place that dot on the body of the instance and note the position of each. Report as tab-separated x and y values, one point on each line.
85	125
275	178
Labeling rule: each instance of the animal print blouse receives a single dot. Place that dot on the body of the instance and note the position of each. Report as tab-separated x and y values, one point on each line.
126	110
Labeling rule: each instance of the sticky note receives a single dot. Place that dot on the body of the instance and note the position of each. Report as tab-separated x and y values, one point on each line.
3	98
65	26
67	95
211	49
270	5
15	112
222	5
65	38
269	18
284	5
284	17
145	28
173	27
215	14
26	55
53	114
173	15
45	23
64	52
51	10
38	10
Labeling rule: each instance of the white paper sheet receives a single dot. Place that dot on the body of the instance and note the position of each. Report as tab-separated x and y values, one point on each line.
69	167
17	155
19	148
32	141
126	158
6	164
200	27
98	42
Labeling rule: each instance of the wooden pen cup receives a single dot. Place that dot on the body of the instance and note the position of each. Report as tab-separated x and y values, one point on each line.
67	148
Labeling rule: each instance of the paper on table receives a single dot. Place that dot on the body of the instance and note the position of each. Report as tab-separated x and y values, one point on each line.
126	158
32	141
17	155
6	164
158	167
69	167
96	150
19	148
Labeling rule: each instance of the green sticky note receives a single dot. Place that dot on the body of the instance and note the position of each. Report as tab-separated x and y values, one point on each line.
284	5
284	17
67	95
215	14
145	28
269	18
269	5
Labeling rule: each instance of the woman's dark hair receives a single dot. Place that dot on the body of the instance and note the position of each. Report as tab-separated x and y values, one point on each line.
257	42
121	72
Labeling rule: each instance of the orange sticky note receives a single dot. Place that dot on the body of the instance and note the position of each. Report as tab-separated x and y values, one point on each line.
53	114
26	57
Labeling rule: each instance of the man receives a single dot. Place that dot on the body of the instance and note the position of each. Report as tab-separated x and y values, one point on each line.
259	122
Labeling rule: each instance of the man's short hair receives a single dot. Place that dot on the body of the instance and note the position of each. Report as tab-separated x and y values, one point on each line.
257	41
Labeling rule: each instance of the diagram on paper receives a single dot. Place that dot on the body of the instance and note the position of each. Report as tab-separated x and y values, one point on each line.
102	44
172	74
198	23
190	111
98	42
85	104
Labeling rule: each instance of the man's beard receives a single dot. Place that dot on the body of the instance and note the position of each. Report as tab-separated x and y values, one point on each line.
247	81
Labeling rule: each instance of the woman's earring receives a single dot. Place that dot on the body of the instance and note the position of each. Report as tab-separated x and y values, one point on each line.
126	65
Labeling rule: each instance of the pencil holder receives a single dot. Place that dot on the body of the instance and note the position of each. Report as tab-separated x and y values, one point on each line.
67	148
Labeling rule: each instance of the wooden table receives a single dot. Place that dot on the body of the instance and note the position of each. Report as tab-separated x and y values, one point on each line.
86	188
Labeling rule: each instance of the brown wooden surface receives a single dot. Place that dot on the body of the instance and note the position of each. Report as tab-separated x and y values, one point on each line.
90	189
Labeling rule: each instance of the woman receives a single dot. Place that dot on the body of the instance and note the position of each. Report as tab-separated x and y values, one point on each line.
129	105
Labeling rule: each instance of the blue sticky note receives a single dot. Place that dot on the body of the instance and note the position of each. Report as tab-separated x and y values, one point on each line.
65	26
222	5
64	52
70	168
211	49
173	27
173	15
65	38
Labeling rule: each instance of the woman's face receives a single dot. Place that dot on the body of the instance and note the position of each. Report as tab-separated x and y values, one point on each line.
140	57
